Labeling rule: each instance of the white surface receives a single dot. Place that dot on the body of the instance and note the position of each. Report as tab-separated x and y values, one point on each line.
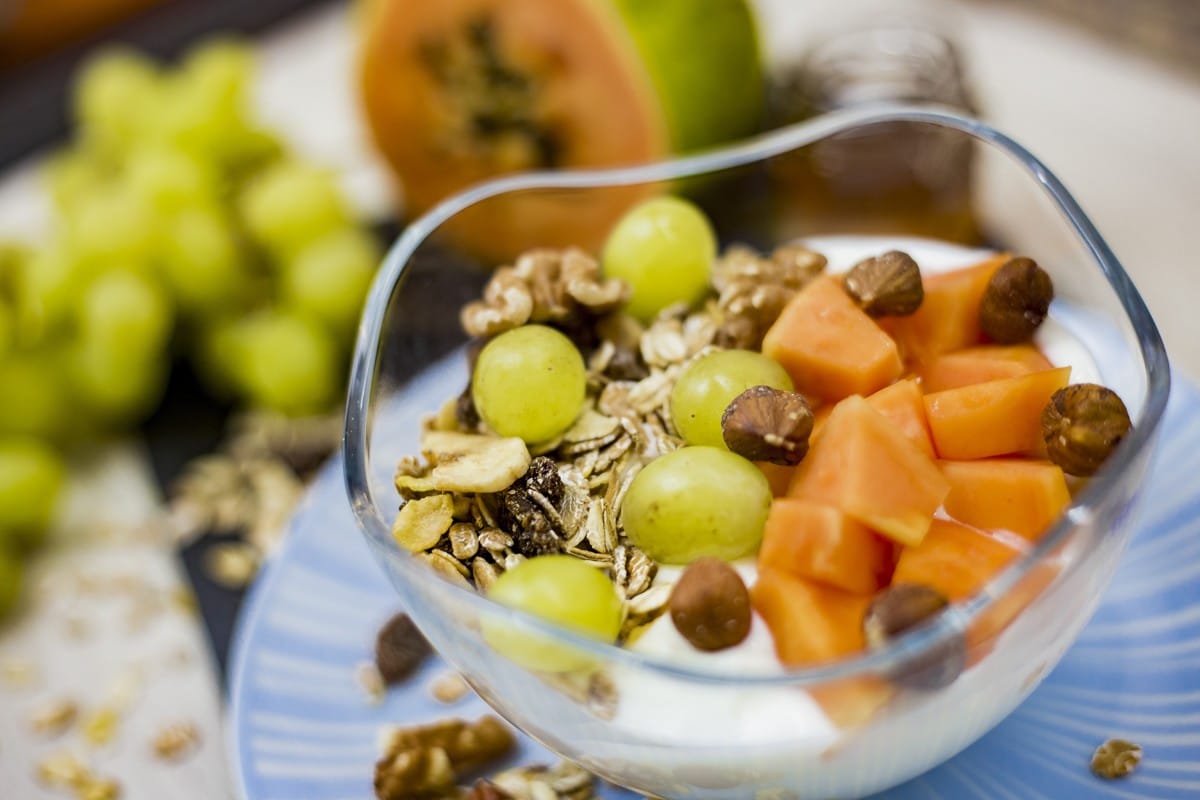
104	628
1119	129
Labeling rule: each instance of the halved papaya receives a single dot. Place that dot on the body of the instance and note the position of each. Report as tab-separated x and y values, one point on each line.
995	418
819	542
866	467
457	91
987	362
903	405
1011	494
829	346
948	318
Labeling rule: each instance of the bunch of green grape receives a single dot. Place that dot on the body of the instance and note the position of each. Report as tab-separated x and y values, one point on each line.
182	229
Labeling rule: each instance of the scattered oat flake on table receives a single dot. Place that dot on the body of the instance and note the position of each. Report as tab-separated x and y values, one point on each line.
18	673
98	789
100	727
175	741
61	769
1116	758
53	719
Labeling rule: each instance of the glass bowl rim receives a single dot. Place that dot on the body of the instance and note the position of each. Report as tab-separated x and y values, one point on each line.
903	650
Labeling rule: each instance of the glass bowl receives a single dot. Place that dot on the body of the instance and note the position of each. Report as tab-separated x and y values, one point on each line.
678	729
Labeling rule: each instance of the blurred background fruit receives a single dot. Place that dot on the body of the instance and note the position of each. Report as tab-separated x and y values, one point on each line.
183	233
456	92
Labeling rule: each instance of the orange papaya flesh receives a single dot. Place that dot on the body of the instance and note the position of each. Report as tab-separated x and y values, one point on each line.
810	623
979	365
829	346
820	543
864	466
903	405
1009	494
593	105
948	318
996	418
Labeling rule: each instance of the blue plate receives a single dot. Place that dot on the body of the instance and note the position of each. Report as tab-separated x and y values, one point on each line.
302	728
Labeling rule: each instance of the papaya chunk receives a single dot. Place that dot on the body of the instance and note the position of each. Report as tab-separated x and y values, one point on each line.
809	622
996	418
819	542
1006	609
903	405
819	417
1010	494
980	364
851	702
954	559
829	346
867	468
778	476
948	318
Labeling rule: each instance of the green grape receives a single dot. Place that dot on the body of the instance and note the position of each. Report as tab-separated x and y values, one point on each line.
664	249
47	285
213	351
8	329
203	265
115	386
559	589
287	363
11	578
13	257
166	180
329	279
73	175
220	70
710	383
115	95
529	382
126	312
697	501
32	476
289	205
248	150
205	110
113	228
33	395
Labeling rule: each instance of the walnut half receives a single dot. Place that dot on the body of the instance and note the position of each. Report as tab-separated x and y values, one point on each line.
423	761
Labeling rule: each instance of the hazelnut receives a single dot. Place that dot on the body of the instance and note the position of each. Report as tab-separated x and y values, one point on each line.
1081	425
1015	301
886	286
765	424
399	649
710	605
903	606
